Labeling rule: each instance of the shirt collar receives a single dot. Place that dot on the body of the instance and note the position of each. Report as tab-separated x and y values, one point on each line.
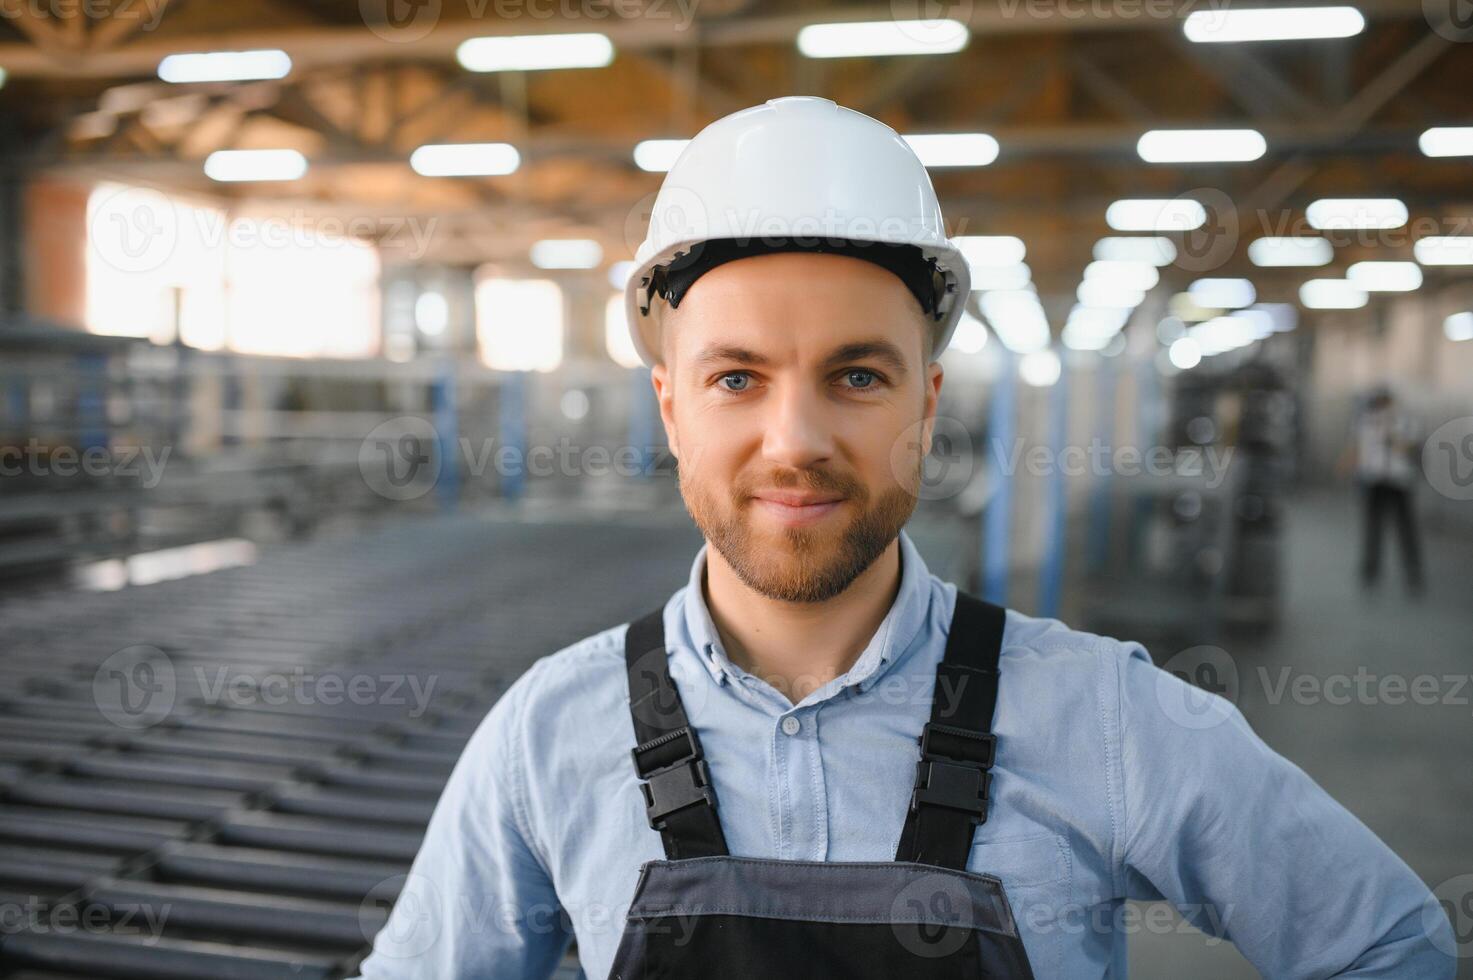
893	637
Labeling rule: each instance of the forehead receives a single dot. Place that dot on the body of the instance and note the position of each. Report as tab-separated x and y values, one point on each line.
795	305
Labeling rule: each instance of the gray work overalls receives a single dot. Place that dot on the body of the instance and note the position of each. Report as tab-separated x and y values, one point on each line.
701	912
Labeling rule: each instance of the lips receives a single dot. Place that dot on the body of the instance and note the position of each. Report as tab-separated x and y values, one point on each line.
796	508
797	498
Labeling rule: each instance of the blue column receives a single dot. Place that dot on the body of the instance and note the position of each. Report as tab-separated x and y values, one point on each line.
1051	576
18	403
1002	429
513	431
447	429
91	401
642	411
1099	496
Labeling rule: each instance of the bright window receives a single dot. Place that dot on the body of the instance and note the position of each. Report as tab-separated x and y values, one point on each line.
253	282
519	323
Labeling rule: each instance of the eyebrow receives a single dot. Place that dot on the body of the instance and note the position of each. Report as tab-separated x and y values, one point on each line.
879	350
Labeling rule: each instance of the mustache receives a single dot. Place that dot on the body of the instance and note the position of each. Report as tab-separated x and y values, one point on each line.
789	478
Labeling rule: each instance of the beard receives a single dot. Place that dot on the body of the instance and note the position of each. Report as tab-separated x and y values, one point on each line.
803	564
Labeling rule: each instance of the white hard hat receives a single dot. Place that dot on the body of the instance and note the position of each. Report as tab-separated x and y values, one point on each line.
797	172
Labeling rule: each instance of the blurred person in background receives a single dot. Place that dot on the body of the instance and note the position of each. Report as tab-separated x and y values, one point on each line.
1382	454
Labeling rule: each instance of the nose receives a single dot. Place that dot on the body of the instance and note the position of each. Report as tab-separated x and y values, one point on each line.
798	431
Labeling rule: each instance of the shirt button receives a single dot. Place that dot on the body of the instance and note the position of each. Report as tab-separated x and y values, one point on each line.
791	725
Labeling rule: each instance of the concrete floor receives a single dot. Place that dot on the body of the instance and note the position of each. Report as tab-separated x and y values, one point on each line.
1403	768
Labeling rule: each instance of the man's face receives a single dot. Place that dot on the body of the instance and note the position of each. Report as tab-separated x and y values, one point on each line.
797	395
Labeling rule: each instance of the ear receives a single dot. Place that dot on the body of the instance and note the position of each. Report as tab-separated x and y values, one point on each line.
931	397
664	387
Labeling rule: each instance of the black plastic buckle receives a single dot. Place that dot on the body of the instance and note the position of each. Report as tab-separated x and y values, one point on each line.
681	782
979	748
956	783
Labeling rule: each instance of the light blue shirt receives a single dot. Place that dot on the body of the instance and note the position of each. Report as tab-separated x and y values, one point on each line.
1113	779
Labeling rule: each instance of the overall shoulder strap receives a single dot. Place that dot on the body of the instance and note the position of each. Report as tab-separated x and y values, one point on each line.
949	800
679	798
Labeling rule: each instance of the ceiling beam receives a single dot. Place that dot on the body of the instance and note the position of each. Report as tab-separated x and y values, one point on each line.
1352	117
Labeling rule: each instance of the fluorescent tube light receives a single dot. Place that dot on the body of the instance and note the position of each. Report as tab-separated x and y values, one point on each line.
1154	249
1385	277
1444	250
465	159
535	52
1272	24
882	37
1201	145
1017	317
953	149
1350	213
225	66
1127	275
985	250
1332	294
1222	294
1293	250
1040	368
1447	141
240	165
657	156
1153	214
1185	353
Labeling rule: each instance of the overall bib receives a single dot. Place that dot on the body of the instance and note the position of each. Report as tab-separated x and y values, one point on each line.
701	912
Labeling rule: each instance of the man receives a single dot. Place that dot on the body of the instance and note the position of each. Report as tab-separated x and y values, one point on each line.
1384	446
779	817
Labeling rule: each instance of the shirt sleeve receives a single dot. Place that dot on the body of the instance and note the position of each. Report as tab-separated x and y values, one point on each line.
1248	847
478	900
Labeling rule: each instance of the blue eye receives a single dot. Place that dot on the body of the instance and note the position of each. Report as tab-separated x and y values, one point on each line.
861	379
735	381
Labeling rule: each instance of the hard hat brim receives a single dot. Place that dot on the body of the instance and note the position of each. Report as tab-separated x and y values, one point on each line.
644	328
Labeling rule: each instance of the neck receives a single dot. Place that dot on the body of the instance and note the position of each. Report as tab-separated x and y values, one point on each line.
798	647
